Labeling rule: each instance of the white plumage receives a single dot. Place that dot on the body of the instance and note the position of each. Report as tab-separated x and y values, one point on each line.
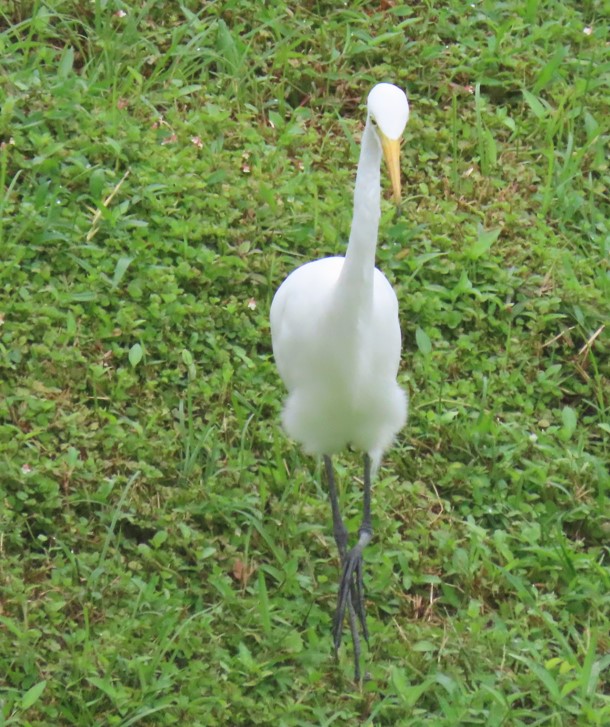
338	354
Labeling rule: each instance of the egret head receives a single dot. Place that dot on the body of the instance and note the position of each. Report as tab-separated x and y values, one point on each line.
388	112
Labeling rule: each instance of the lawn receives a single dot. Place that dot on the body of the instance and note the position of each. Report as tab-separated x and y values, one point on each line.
166	553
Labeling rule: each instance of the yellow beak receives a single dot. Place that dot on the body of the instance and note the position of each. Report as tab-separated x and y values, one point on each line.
391	152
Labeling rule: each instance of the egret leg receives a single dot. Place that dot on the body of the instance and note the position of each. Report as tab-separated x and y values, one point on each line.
351	579
340	533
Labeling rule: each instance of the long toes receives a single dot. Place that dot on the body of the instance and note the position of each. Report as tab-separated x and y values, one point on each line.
345	589
359	600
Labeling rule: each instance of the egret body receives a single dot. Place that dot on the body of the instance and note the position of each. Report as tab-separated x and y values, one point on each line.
336	342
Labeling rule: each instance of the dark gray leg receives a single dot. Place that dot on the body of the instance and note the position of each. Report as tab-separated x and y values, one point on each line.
340	533
351	580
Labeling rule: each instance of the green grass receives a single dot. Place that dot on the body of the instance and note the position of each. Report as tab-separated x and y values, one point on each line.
166	555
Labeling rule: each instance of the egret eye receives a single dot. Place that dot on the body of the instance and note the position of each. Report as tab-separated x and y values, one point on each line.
373	121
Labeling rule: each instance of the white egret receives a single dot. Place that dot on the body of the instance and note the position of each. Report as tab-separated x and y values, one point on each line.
336	341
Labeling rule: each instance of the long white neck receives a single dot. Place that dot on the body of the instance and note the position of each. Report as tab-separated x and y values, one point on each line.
356	280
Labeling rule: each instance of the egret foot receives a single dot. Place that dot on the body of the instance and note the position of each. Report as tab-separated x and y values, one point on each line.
351	588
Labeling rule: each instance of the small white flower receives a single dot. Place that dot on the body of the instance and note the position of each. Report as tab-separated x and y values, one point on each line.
26	469
252	304
588	30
